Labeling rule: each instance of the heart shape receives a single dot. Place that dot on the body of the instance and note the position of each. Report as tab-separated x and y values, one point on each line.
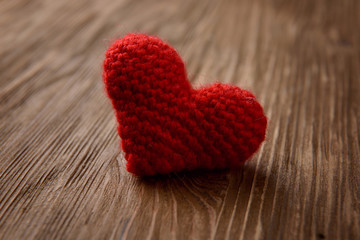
167	126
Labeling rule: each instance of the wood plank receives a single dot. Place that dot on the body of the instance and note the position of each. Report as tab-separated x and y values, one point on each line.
62	174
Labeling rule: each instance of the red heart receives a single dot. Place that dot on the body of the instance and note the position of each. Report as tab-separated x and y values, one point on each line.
167	126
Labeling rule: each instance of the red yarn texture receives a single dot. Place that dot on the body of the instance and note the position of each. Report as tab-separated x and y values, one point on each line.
167	126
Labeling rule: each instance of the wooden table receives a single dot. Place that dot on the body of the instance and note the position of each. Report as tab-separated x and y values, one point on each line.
62	174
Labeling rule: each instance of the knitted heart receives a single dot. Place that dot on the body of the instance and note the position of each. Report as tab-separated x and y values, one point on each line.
167	126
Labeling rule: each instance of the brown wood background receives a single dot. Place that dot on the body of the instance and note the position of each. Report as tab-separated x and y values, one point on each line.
62	174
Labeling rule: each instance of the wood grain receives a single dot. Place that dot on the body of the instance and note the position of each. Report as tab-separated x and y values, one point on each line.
62	174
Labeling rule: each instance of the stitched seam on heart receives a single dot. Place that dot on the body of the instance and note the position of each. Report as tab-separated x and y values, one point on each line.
156	155
150	135
187	128
175	144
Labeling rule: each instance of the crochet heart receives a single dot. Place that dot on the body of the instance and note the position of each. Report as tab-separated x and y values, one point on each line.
167	126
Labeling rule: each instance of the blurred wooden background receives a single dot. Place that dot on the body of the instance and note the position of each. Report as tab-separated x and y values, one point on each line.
62	174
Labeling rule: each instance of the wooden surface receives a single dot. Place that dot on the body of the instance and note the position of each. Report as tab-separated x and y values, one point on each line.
62	174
